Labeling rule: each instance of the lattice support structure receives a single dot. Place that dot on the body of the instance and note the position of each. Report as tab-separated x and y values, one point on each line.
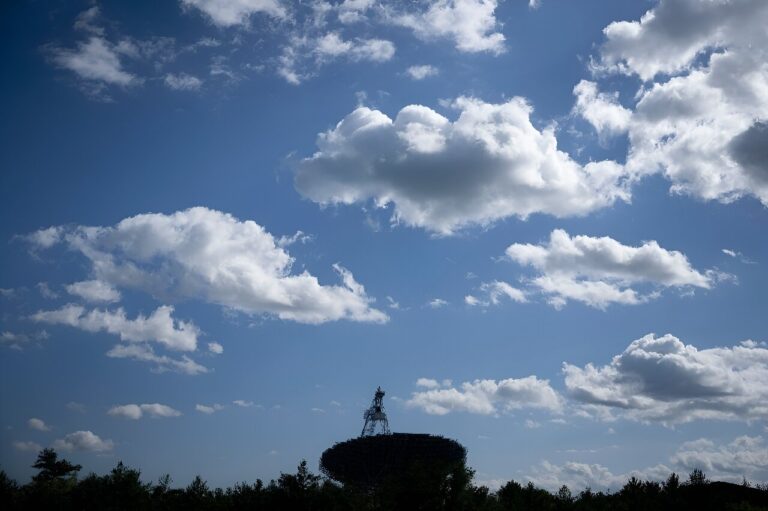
375	418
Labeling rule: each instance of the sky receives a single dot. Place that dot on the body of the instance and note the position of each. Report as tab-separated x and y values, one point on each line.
539	226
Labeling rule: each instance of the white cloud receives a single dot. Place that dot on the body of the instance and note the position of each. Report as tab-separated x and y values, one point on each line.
427	383
304	54
158	327
489	164
38	424
578	475
208	410
600	271
354	11
488	397
83	441
27	446
602	110
704	128
95	60
744	457
227	13
135	412
494	292
162	363
437	303
205	254
45	238
46	291
421	72
94	291
182	81
215	348
471	24
663	380
242	403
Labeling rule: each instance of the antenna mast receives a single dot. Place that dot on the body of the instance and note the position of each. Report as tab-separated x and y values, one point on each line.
375	416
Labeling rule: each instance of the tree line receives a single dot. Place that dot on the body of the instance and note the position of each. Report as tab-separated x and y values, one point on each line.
56	486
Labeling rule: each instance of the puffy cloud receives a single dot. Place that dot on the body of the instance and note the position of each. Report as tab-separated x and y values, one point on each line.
83	441
428	383
703	128
744	457
182	81
38	424
159	326
489	164
488	397
578	475
602	110
162	363
494	292
208	410
94	291
215	348
135	412
333	46
471	24
421	72
95	60
600	271
669	37
205	254
242	403
227	13
661	379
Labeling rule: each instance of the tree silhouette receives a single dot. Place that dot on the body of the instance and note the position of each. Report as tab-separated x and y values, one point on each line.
51	468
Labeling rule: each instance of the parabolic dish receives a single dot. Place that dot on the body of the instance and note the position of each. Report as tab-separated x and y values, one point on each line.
368	460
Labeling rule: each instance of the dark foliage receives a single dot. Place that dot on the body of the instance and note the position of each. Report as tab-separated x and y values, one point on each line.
417	487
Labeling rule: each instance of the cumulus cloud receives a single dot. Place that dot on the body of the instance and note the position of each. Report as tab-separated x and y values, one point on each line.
215	348
602	110
494	292
208	410
662	379
94	291
95	60
135	412
703	128
488	397
421	72
471	24
744	457
182	81
158	327
38	424
601	271
489	164
208	255
243	403
577	475
227	13
83	441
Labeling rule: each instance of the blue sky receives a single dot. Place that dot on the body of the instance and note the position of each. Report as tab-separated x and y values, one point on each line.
540	227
